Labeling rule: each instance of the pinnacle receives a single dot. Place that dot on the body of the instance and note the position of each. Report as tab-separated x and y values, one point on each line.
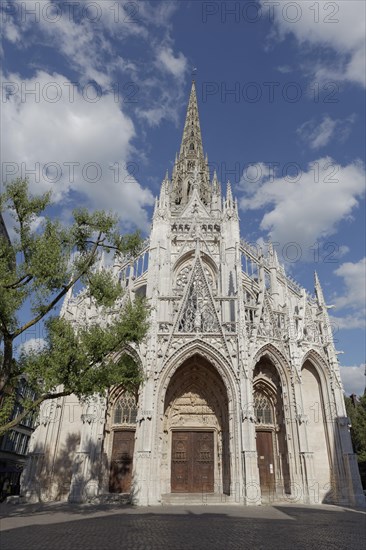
229	193
318	289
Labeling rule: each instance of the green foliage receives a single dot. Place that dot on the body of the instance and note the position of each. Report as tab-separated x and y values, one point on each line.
7	406
47	259
90	360
42	263
357	416
103	288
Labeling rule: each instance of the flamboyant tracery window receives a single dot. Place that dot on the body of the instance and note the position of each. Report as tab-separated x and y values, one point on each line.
263	409
184	274
125	409
198	313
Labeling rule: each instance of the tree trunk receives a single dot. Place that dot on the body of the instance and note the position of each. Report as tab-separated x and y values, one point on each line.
6	369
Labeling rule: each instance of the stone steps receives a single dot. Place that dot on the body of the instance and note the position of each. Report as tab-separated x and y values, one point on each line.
113	498
180	499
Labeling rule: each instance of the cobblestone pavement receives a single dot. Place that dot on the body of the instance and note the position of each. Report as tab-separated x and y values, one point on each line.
66	527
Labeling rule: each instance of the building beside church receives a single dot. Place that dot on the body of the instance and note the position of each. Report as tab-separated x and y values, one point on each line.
242	400
14	444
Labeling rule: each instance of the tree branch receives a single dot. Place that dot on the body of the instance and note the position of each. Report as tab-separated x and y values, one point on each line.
20	282
35	404
61	294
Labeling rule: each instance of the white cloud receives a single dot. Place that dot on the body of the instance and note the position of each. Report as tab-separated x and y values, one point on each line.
91	36
33	344
254	176
11	32
353	299
295	210
158	14
94	135
354	320
177	66
319	135
353	379
354	279
71	28
336	25
284	69
343	250
153	116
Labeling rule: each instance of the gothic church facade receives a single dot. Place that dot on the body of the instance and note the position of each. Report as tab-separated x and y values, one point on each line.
242	400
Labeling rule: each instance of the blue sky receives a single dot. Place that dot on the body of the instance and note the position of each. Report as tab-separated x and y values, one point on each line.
94	97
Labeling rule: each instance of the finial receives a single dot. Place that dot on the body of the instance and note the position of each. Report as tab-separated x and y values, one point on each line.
228	189
193	74
318	290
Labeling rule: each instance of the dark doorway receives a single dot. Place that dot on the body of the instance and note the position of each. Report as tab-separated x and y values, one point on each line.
121	462
265	461
192	462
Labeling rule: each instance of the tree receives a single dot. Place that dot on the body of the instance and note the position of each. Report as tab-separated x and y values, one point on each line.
356	411
37	269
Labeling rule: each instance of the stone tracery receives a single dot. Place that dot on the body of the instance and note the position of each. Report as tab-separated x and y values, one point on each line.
198	313
223	353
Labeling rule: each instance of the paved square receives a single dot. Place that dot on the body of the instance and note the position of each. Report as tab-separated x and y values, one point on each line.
66	527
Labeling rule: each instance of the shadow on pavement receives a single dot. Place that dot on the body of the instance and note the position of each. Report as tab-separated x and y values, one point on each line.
211	531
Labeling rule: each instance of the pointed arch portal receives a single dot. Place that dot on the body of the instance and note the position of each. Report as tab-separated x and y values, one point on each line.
123	415
196	429
271	440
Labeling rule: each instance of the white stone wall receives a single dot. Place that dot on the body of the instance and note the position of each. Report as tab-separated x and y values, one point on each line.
245	309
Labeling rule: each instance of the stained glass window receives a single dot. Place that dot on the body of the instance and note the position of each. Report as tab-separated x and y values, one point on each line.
263	409
125	410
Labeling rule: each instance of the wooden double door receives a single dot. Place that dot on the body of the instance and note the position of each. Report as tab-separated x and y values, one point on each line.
192	467
120	477
265	461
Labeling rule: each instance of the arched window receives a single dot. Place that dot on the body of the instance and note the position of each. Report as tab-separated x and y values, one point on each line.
263	410
125	410
191	147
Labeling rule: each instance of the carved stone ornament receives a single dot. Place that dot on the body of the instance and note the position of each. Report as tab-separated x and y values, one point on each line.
302	419
88	418
199	313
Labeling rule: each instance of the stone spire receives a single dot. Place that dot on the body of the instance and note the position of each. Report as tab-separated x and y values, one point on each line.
192	129
318	290
191	160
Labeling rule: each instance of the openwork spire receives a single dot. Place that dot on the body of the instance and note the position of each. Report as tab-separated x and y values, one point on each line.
191	167
192	139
